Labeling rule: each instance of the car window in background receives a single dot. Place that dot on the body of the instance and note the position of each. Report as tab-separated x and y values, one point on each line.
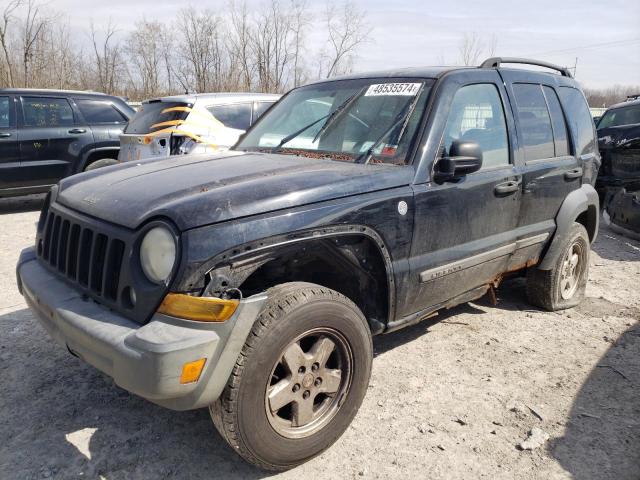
236	115
96	111
153	116
580	120
47	112
477	115
259	108
537	134
4	112
620	116
560	136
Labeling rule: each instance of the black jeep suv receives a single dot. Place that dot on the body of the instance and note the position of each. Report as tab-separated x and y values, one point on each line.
46	135
252	281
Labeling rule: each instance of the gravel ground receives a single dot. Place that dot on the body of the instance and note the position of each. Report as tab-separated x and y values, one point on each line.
452	397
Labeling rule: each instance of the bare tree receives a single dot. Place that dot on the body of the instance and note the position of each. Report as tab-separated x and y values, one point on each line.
147	53
470	49
5	25
605	97
201	67
63	58
32	28
493	46
240	49
299	23
240	42
347	30
273	47
107	58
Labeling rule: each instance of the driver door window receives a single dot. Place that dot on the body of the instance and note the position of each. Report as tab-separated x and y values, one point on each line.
477	115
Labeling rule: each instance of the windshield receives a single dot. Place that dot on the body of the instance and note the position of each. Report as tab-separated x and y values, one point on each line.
348	120
620	116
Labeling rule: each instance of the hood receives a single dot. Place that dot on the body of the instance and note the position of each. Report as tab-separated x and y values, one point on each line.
197	190
620	150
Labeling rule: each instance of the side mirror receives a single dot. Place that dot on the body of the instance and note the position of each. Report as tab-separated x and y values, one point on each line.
464	158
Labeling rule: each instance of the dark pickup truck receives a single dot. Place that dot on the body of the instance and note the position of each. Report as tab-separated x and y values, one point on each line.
252	282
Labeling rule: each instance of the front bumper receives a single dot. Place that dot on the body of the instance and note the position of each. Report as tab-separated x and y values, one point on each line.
144	359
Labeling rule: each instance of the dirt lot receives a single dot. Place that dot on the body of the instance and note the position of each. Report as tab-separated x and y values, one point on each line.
450	398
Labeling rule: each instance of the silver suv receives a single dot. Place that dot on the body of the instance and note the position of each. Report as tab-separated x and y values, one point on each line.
182	124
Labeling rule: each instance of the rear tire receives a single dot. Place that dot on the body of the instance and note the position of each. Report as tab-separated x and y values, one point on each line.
299	379
103	162
564	285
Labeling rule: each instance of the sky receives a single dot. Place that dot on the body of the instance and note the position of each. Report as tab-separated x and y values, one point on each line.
603	35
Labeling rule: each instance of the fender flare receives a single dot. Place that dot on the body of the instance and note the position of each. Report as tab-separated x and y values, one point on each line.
265	246
584	199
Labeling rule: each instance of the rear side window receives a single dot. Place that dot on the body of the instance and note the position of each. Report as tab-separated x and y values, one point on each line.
47	112
96	111
155	116
560	136
236	116
580	120
259	108
535	123
4	112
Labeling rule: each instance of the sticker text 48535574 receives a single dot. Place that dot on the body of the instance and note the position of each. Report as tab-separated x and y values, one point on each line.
389	89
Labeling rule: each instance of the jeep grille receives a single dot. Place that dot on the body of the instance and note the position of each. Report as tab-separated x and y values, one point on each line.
83	255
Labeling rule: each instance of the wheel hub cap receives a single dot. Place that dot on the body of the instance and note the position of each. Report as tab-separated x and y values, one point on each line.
308	383
571	273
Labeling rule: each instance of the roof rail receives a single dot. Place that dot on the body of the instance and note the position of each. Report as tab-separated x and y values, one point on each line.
494	62
635	96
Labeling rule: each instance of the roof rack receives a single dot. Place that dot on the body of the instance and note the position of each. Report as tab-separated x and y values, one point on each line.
494	62
635	96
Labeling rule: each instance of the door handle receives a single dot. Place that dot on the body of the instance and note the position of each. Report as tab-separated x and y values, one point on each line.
575	173
5	134
77	130
507	188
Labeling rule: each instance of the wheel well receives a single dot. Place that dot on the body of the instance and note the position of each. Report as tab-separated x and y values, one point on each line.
589	219
100	154
351	265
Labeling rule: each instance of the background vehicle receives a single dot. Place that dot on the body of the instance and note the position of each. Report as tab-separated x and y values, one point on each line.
184	124
619	144
252	281
46	135
619	179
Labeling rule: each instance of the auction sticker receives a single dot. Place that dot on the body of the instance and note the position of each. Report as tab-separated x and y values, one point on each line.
392	89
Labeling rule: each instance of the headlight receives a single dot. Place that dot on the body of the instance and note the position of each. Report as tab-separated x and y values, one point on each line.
158	254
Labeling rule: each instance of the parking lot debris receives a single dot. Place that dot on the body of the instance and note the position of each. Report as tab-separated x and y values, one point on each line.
537	437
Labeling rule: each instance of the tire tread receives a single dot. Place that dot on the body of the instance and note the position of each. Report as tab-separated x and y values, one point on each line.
282	299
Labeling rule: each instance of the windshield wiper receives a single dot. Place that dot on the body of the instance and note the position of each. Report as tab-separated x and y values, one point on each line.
403	118
333	116
293	135
329	117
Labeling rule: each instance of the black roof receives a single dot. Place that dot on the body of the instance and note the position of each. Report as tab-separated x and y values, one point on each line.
436	72
628	103
45	91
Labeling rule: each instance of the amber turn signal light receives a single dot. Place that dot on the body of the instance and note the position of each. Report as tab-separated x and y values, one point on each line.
191	371
202	309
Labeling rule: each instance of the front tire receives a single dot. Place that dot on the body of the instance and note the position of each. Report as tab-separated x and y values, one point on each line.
103	162
299	379
564	285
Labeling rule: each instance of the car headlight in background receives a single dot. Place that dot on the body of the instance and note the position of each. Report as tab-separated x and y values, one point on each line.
158	254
